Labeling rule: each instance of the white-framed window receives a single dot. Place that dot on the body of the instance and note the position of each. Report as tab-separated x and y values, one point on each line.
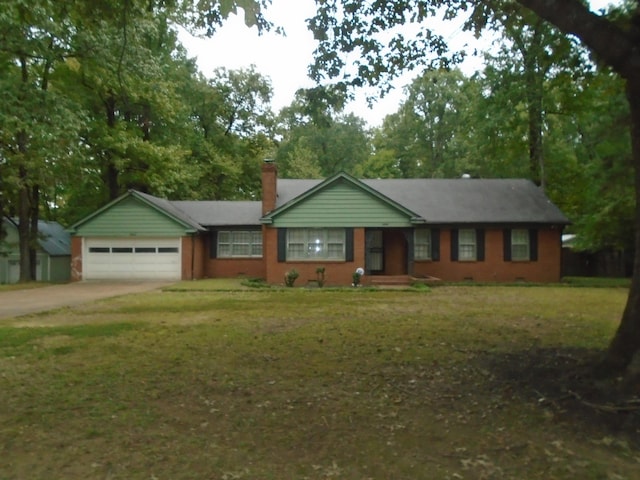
422	244
467	245
520	246
316	244
239	243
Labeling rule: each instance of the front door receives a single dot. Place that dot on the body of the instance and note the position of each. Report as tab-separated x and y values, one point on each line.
374	252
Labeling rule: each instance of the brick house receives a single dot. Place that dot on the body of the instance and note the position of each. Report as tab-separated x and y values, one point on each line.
449	229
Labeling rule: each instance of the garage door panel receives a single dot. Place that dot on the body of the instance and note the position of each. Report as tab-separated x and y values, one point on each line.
119	258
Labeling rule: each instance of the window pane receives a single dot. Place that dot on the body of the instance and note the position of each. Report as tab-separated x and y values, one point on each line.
467	236
422	244
256	244
421	252
99	250
519	252
519	236
241	250
167	249
239	243
315	243
122	249
336	251
467	244
295	251
296	235
520	244
145	249
241	237
467	252
335	235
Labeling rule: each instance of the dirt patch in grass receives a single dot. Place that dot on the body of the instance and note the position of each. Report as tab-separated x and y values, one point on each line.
563	383
456	383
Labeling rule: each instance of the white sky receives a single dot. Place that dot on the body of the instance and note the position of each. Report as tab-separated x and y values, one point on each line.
285	59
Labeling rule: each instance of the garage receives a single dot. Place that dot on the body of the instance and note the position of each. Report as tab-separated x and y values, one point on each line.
132	258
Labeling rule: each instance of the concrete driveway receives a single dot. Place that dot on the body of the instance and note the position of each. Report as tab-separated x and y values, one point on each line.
15	303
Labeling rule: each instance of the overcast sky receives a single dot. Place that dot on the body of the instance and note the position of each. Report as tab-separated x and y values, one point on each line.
285	59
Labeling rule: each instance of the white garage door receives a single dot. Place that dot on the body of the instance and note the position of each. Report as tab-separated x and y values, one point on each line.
126	258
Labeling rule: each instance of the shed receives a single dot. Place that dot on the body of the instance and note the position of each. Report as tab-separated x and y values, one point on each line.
53	257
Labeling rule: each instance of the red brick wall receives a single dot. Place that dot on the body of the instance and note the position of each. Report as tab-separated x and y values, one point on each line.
336	273
269	187
494	268
76	259
235	267
230	267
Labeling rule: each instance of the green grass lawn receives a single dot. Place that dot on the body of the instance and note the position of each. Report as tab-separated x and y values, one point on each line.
200	382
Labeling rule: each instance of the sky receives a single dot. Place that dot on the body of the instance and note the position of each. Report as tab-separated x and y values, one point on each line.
285	59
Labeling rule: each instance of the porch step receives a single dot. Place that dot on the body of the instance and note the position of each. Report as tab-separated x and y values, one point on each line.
388	280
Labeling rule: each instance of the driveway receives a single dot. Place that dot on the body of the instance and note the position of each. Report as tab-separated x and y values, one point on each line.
15	303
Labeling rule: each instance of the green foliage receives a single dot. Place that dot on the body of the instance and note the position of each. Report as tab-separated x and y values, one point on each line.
320	276
336	145
255	283
290	277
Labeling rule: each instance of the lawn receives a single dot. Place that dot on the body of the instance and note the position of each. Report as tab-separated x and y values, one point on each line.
199	383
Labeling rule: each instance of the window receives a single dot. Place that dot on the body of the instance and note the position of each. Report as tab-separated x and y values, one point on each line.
145	249
99	249
467	246
316	244
422	244
239	243
520	245
167	249
122	250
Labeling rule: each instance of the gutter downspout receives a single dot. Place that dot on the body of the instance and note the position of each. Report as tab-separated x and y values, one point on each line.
193	256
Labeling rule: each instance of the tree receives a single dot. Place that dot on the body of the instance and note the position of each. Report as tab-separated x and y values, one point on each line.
429	133
36	122
314	126
345	27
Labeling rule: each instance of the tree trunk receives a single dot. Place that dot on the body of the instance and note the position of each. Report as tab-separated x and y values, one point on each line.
34	216
23	227
618	49
626	341
111	173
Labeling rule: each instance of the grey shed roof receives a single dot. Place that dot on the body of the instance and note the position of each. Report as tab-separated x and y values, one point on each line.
52	237
446	201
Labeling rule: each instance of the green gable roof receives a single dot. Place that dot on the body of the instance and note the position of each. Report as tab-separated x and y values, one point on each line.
135	213
341	201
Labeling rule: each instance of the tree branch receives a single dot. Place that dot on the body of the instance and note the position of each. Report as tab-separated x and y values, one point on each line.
608	41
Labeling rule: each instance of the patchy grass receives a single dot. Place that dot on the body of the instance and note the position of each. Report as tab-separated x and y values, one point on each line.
210	284
447	383
597	282
6	287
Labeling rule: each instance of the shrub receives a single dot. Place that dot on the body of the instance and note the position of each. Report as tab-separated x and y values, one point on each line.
290	277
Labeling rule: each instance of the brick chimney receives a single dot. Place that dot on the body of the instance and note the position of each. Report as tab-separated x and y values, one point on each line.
269	186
